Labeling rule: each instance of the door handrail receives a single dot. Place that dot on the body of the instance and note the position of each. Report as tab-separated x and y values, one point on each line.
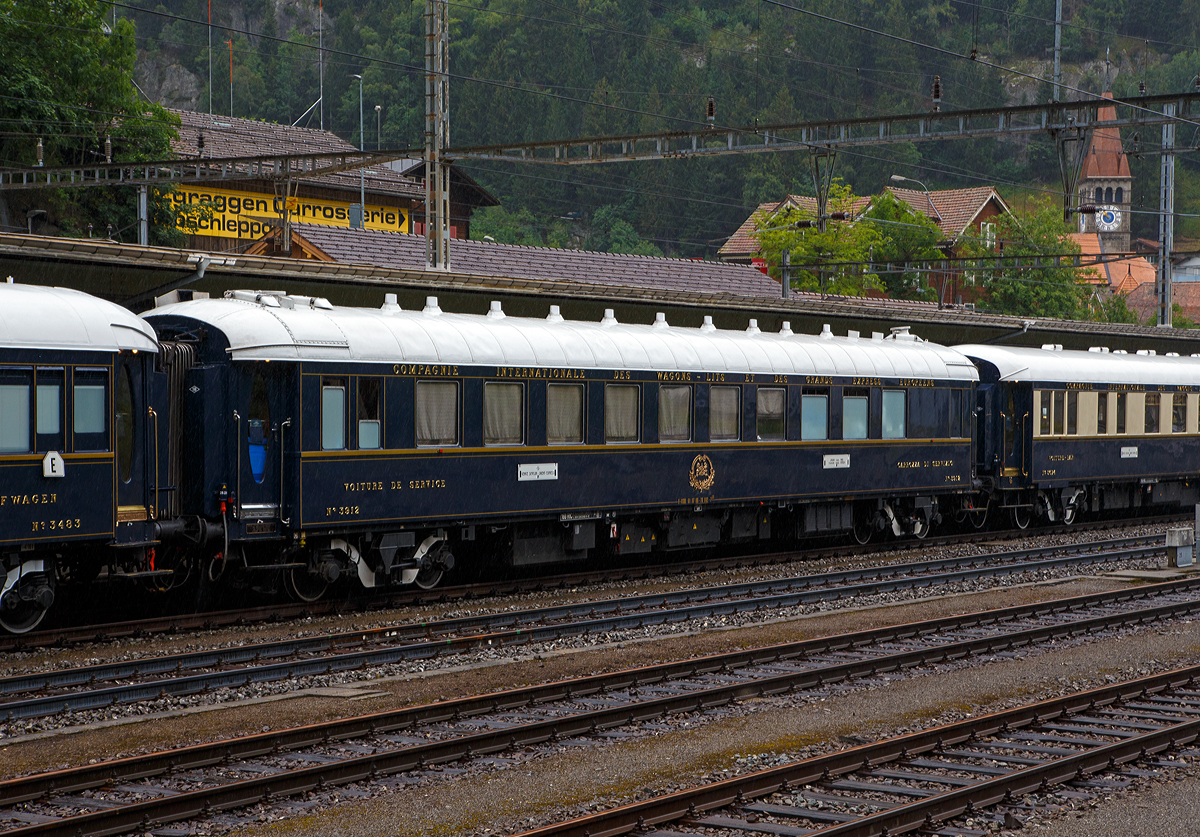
284	521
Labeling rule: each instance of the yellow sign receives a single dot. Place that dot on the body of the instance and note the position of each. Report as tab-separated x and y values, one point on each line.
252	215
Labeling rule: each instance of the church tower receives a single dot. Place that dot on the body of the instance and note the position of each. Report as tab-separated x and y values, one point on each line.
1105	181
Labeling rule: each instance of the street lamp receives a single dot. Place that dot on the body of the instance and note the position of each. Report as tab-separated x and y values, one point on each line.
942	289
911	180
378	127
362	146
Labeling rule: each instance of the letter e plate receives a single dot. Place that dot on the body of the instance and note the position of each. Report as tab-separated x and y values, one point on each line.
53	465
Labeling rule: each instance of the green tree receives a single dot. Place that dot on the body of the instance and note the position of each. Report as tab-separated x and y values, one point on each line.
1023	287
610	233
1112	309
67	84
907	237
845	247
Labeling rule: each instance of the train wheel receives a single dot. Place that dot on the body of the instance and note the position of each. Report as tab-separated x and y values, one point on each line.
24	605
920	527
1022	516
863	529
1069	515
304	586
978	517
429	576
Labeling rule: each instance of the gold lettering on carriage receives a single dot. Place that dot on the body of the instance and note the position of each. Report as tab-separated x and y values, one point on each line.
539	374
916	382
27	499
674	376
702	474
363	486
423	370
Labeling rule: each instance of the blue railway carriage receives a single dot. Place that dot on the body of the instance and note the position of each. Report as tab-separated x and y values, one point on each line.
77	488
1066	432
383	443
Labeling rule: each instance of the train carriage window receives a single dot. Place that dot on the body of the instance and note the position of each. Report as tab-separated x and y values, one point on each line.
772	414
14	412
564	414
49	402
1121	405
437	413
333	414
124	418
674	413
370	432
1072	413
956	414
1102	414
894	414
89	401
724	411
258	426
1179	413
1057	412
1044	412
855	403
1152	412
503	413
621	410
814	414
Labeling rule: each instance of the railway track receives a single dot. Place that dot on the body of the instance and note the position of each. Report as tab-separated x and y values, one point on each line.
138	793
267	612
92	687
923	782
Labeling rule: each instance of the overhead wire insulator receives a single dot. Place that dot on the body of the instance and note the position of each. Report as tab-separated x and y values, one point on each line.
937	93
40	153
710	110
108	149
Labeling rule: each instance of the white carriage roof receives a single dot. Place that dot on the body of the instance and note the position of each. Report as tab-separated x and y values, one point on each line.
38	317
1095	366
277	327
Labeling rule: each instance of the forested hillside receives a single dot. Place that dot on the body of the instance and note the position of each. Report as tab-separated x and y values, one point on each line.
542	69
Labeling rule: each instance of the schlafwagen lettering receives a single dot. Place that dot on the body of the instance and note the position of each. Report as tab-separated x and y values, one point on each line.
27	499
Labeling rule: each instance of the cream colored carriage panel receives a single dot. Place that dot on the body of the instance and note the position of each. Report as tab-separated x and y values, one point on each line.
1037	410
1110	415
1135	413
1085	421
1166	409
1193	403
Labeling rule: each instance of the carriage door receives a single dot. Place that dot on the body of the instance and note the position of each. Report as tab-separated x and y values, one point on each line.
131	434
259	452
1016	407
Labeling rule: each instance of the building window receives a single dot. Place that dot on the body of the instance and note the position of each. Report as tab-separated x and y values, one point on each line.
1108	195
437	413
894	416
14	414
1179	413
674	413
1120	195
814	414
564	414
724	414
621	412
333	414
1102	414
503	411
89	397
1153	399
855	403
1121	413
370	428
1072	413
772	414
49	407
1099	194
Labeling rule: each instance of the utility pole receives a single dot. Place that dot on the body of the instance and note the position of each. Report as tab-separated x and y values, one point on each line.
437	136
1166	218
210	57
1057	49
321	58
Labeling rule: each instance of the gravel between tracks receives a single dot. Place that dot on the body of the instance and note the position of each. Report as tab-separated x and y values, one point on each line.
523	789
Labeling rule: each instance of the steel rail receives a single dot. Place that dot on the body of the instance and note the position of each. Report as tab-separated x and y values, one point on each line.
401	597
250	791
627	616
922	813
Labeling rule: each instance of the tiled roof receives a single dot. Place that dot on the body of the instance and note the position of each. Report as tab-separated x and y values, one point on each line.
485	258
1143	300
1105	156
227	136
743	243
953	209
1121	276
